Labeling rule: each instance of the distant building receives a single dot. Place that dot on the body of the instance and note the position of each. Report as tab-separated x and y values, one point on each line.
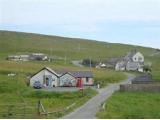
38	56
133	61
28	57
134	56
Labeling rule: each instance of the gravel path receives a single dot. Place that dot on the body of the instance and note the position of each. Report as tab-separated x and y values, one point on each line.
89	109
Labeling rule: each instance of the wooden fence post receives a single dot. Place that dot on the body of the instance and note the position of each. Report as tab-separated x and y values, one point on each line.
38	107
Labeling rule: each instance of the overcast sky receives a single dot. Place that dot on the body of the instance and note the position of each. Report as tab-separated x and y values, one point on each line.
121	21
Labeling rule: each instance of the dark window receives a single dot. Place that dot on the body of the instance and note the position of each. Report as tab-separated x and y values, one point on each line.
87	80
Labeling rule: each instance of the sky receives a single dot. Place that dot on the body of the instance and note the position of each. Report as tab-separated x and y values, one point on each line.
118	21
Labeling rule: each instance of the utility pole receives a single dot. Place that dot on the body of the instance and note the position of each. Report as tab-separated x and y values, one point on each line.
50	54
90	65
65	59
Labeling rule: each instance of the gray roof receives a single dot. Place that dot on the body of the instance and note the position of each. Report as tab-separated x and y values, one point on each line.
113	61
130	55
77	73
82	73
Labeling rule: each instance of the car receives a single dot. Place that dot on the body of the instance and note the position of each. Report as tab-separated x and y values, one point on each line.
37	85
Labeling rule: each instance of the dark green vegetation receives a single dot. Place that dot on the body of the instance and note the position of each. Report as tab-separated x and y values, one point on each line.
128	105
14	92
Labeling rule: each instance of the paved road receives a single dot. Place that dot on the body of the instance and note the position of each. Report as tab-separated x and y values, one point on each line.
77	63
89	109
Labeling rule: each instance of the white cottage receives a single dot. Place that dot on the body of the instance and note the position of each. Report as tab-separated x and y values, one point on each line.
49	78
46	76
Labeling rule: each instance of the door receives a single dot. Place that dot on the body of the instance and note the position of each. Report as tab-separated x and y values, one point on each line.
48	80
79	82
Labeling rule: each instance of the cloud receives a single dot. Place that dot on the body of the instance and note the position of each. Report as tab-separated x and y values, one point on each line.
78	11
112	20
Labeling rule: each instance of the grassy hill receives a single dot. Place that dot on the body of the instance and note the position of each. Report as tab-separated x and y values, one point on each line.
73	48
14	91
131	105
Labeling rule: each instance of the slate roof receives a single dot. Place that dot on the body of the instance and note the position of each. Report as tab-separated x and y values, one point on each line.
77	73
113	61
73	73
130	55
82	74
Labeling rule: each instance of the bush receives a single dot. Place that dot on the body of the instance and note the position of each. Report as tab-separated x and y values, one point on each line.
88	62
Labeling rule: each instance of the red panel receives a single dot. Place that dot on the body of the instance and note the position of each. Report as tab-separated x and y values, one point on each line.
79	82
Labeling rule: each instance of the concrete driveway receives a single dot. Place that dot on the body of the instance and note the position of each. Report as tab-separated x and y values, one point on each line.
89	109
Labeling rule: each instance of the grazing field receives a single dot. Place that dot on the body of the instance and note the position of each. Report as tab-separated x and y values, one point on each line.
155	67
15	93
131	105
20	101
73	48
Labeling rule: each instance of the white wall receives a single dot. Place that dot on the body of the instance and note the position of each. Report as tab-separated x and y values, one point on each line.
120	66
132	66
40	76
138	57
67	78
90	81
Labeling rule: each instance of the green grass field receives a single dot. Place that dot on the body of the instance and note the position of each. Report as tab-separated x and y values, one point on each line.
131	105
17	97
13	90
15	42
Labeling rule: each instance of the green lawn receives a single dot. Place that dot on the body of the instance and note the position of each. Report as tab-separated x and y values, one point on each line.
131	105
15	93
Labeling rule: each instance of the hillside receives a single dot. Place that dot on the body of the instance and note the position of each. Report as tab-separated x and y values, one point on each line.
15	93
73	48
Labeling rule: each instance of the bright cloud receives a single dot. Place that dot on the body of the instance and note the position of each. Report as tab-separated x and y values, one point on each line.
102	19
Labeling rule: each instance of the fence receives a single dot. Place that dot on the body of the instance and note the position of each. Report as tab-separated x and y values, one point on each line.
17	111
23	111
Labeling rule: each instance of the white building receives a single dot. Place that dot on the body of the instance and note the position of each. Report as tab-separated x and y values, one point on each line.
49	78
46	76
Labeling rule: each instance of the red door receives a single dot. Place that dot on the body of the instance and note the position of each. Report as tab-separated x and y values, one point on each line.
79	82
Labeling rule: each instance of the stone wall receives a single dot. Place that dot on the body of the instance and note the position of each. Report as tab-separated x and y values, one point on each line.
140	87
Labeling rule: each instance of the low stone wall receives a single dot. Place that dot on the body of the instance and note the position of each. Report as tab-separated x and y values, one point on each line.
140	87
145	82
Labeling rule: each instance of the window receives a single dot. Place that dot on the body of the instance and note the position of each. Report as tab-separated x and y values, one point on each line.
87	80
139	58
